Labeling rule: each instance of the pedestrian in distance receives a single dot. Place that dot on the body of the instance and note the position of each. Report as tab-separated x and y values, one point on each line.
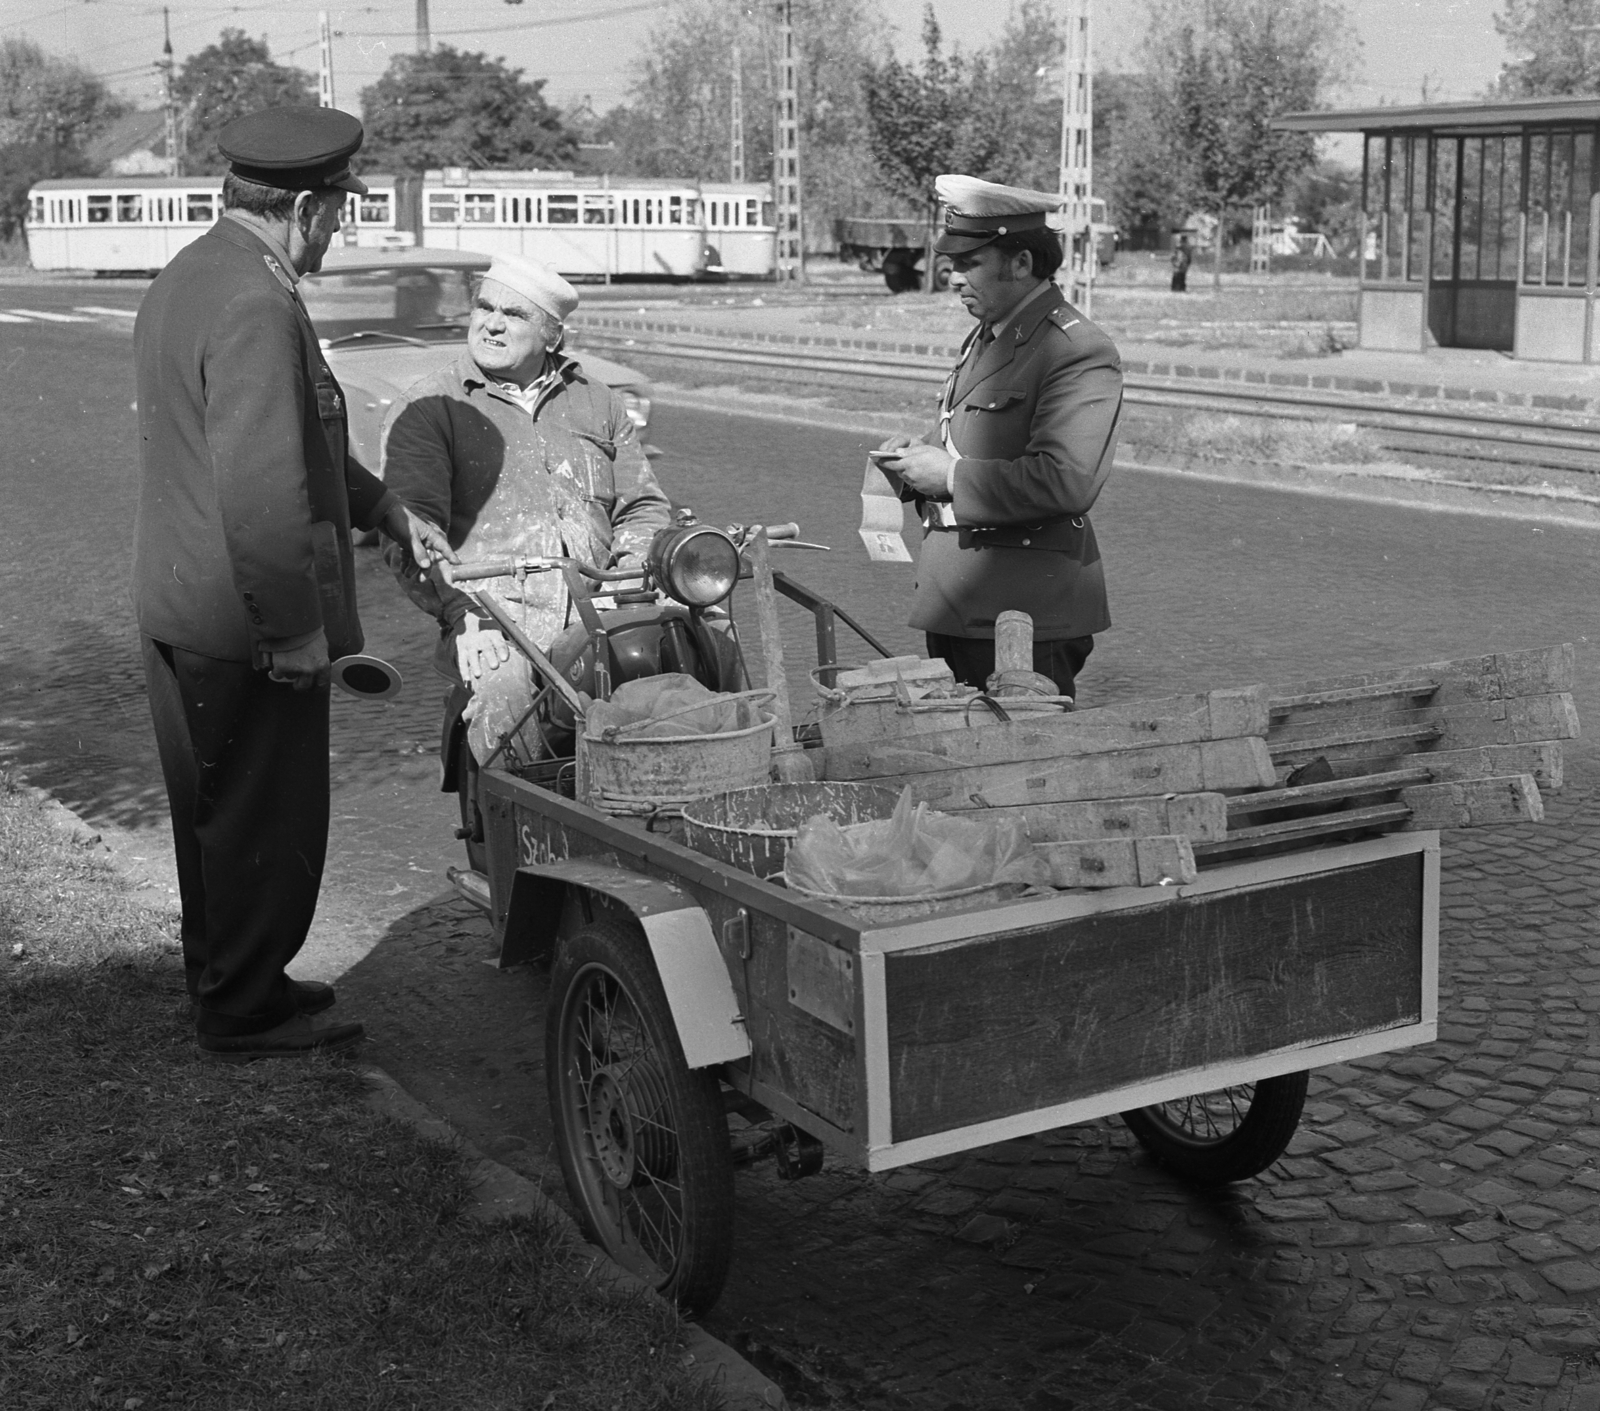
1026	436
1181	259
518	453
244	578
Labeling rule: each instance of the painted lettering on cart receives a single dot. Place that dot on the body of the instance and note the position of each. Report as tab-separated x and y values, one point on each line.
535	847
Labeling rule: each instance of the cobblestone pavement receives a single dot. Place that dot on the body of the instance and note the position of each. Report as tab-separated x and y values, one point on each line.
1432	1237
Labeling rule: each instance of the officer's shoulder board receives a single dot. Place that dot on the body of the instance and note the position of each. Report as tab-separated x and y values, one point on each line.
1065	317
278	272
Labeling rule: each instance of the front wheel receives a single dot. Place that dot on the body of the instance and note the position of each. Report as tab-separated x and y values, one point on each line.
643	1139
1229	1134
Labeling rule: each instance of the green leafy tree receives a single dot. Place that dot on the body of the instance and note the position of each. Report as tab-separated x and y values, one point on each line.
678	119
452	108
49	108
225	80
1557	48
1220	71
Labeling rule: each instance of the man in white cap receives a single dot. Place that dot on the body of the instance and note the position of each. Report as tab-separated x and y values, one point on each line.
1026	435
517	453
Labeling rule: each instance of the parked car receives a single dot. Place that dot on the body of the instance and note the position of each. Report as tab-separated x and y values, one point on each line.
387	317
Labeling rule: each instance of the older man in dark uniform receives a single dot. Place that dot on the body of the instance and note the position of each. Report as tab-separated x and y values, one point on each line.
243	579
1026	436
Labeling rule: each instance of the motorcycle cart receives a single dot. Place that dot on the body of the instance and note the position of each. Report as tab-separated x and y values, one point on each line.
683	988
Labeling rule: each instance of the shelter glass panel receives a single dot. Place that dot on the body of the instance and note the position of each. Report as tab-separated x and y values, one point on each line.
1560	181
1396	200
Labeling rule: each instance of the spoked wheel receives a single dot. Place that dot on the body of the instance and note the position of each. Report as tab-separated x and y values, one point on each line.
643	1140
1229	1134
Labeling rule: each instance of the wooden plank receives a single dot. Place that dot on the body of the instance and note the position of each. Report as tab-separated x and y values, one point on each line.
1299	830
1203	767
1545	762
1474	803
1119	862
1018	1021
1384	692
862	721
1337	744
1198	817
1487	678
1518	721
1177	720
1358	786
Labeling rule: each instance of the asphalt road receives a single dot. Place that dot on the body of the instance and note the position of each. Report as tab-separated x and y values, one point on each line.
1210	585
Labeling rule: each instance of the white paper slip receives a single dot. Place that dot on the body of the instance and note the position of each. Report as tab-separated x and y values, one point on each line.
882	518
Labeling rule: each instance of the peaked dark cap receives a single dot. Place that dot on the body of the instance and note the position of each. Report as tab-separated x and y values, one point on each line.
294	149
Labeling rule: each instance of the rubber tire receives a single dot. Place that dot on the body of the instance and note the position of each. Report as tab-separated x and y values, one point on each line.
702	1156
942	269
1260	1138
900	272
471	816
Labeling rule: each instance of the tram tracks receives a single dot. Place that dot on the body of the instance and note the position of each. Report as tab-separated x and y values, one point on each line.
1493	435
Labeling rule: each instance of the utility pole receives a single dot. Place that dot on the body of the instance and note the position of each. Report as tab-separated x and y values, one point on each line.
736	115
786	153
424	43
1076	178
325	72
168	103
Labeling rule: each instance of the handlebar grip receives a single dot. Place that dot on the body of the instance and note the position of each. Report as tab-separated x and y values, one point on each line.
791	530
466	572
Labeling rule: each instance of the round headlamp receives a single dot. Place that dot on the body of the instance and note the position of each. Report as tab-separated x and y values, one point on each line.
695	564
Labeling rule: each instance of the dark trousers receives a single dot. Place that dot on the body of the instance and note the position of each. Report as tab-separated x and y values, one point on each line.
245	760
1180	281
972	659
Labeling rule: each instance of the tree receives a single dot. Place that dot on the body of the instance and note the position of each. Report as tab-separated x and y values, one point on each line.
225	80
1220	71
49	108
452	108
1557	45
677	122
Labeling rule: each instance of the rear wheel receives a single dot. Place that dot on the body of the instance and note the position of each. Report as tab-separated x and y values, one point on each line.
1229	1134
643	1139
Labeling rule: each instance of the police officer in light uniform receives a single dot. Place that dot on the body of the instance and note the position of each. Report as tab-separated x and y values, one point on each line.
1026	434
243	580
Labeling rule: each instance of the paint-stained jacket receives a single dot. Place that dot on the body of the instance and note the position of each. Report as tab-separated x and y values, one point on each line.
247	490
569	478
1035	425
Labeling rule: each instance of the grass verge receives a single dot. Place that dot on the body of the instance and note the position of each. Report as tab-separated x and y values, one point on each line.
1279	441
177	1234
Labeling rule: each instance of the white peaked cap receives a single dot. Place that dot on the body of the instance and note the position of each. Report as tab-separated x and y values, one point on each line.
971	197
537	283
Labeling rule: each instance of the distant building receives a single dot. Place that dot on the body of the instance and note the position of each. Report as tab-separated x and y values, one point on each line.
134	145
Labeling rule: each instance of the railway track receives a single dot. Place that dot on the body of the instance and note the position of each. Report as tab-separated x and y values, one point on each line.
1570	444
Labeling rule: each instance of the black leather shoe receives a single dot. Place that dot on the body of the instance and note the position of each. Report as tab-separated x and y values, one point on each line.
294	1038
310	997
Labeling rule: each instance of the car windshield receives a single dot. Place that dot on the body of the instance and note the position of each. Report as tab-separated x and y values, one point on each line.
428	302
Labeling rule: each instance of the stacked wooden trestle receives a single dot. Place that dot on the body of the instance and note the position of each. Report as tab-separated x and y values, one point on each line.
1147	792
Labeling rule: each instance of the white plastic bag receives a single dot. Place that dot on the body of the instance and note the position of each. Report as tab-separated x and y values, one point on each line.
916	852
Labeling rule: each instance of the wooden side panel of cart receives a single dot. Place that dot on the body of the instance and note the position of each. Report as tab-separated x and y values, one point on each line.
901	1043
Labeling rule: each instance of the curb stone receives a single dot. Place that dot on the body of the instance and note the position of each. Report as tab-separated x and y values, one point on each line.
502	1194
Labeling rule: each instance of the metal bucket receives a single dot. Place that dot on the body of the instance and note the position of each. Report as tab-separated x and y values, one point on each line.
648	774
753	828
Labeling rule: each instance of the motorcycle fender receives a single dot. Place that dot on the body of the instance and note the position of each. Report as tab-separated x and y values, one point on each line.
693	973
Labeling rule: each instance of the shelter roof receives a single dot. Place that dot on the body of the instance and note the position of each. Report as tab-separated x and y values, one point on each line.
1447	117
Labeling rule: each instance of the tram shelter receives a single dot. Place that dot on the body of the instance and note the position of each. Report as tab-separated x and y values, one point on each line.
1480	225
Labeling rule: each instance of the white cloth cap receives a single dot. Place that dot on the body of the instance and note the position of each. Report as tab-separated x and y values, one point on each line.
536	282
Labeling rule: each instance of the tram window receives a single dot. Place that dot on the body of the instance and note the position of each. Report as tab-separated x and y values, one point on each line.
597	210
36	209
650	212
130	208
561	210
767	216
374	208
752	211
443	209
478	208
200	206
99	210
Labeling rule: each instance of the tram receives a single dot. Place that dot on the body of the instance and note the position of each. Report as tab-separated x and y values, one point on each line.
583	226
588	227
131	224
